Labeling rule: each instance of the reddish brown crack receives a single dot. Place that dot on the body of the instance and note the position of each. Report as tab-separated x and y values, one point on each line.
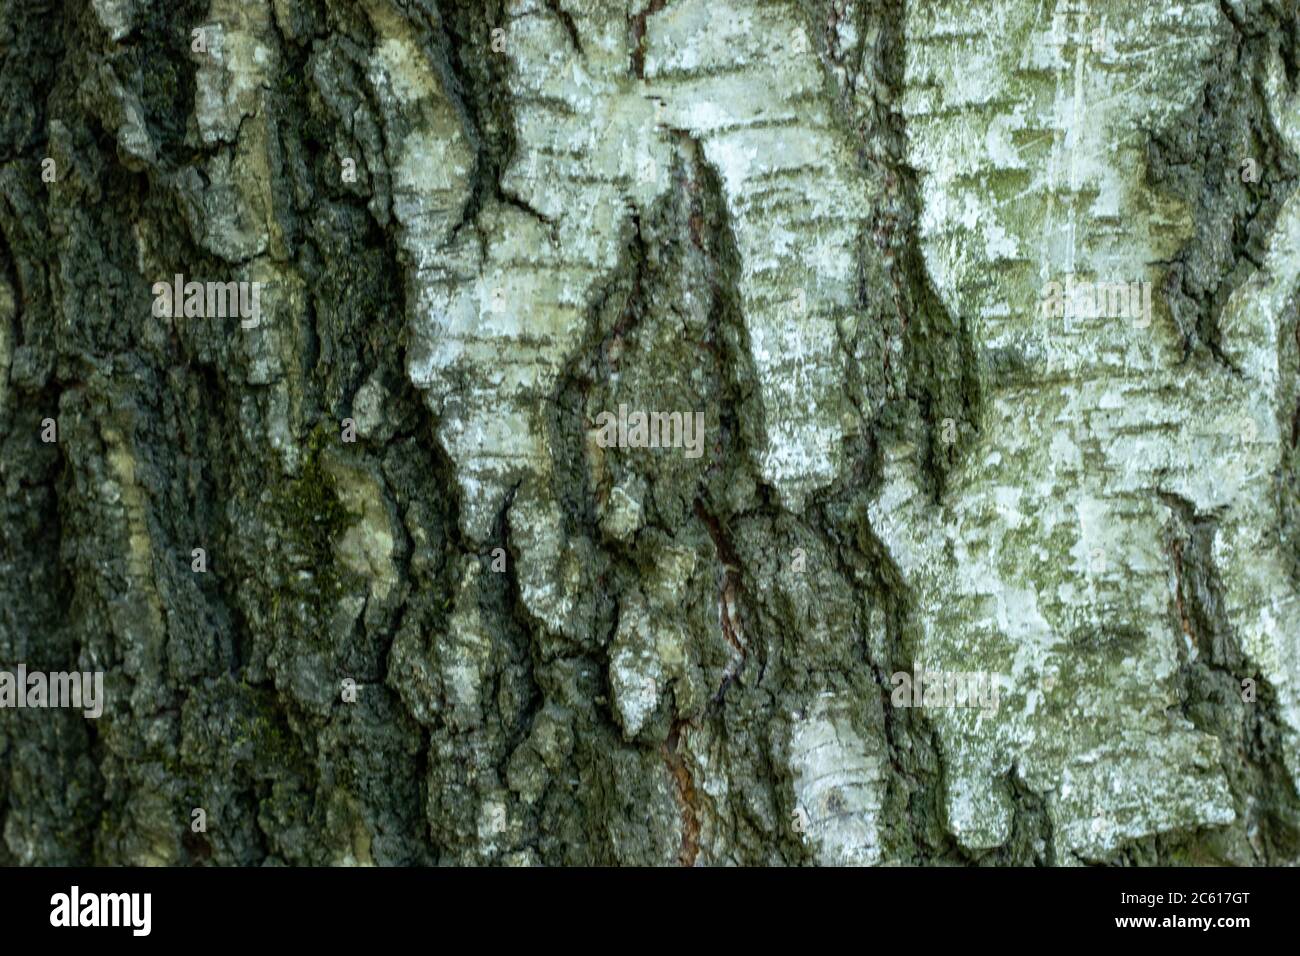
1177	550
687	798
614	344
637	26
730	588
697	232
1295	419
727	612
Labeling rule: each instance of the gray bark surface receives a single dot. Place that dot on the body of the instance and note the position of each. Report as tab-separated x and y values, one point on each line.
826	225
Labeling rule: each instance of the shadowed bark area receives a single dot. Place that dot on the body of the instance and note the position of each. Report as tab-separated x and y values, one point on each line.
375	574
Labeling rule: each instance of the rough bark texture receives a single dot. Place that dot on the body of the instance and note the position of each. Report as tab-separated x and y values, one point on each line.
826	225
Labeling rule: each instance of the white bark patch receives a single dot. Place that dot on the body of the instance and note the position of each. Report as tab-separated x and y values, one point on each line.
838	785
1069	573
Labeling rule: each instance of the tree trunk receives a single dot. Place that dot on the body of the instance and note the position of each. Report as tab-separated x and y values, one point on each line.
985	547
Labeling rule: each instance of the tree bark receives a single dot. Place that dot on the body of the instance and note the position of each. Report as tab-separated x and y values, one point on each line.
439	616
